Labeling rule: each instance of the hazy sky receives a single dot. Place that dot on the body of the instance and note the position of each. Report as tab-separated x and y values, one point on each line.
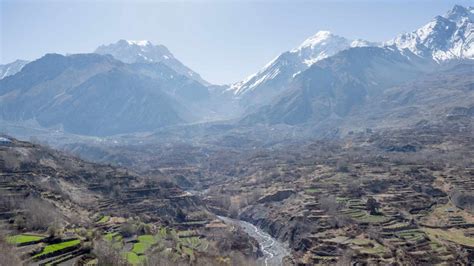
224	41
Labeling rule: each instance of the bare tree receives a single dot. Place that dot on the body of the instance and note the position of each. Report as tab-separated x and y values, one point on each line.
160	258
107	255
7	254
353	188
329	204
39	214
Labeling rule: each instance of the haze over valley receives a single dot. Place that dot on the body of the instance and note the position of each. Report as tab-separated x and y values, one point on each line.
339	151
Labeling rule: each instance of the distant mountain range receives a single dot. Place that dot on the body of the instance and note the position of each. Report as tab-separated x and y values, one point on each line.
332	87
135	86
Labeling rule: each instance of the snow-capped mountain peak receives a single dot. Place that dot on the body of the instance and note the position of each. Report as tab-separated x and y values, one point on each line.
444	38
282	69
133	51
319	46
324	44
316	39
143	51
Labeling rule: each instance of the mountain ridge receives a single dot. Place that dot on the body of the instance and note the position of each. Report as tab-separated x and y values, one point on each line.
446	37
331	87
262	86
143	51
88	94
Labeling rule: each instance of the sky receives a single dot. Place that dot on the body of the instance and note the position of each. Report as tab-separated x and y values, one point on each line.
224	41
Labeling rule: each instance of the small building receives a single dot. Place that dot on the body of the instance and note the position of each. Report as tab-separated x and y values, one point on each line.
5	141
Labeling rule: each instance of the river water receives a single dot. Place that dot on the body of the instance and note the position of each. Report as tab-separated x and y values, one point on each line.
273	250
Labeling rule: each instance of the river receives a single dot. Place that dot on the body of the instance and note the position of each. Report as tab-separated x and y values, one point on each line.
273	250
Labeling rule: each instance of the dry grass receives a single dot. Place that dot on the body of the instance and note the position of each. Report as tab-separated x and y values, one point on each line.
451	235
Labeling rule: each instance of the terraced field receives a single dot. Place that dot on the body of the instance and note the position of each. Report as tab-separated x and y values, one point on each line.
58	209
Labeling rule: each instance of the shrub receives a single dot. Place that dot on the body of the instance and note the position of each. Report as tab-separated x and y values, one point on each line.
128	229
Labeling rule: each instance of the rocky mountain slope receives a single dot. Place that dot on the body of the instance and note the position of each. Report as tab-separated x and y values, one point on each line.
92	94
332	87
262	86
430	98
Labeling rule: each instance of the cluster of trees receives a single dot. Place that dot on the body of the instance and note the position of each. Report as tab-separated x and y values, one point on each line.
372	206
32	213
37	214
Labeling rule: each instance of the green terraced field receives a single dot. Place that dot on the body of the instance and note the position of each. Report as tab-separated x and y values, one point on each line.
113	236
134	259
411	235
56	247
23	238
147	239
140	248
145	242
367	218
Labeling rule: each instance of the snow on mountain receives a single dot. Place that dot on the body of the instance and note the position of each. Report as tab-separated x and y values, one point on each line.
335	87
130	51
324	44
444	38
263	85
12	68
143	51
139	43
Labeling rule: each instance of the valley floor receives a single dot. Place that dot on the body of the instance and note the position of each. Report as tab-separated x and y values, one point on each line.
384	196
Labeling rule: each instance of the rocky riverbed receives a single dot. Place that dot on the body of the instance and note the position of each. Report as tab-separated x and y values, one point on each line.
273	250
